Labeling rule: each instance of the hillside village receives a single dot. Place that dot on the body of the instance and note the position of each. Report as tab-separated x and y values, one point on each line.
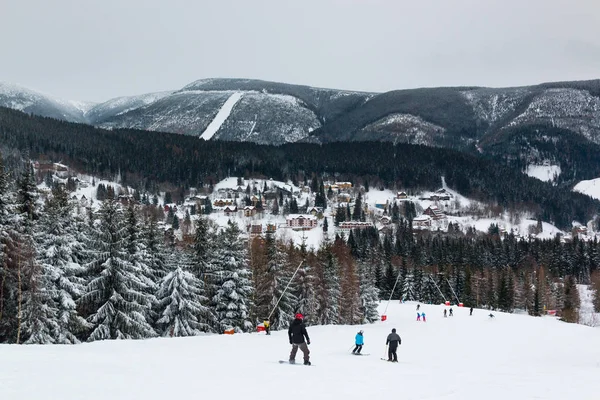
301	214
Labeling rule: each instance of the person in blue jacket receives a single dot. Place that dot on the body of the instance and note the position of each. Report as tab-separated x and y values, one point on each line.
359	340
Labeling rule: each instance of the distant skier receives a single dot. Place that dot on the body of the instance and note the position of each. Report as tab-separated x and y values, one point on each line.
418	306
359	341
451	312
445	313
423	316
492	315
393	341
418	317
267	326
297	333
471	311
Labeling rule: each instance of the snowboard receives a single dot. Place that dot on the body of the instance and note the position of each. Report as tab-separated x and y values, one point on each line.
296	363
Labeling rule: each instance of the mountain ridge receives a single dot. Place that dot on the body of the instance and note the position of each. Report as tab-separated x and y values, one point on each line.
268	112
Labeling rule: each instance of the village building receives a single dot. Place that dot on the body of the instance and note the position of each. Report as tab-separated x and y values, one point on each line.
301	221
315	210
230	210
256	229
385	220
349	225
422	222
223	202
249	211
434	212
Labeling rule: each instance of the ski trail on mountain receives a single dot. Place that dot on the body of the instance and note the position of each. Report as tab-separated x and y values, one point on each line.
221	116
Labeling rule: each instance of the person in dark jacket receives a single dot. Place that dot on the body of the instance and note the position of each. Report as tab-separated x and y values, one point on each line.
393	341
297	333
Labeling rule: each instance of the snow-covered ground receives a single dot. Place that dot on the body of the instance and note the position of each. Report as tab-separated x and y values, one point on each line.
459	358
591	188
545	173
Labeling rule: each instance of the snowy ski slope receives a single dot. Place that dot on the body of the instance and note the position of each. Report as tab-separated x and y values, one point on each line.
464	357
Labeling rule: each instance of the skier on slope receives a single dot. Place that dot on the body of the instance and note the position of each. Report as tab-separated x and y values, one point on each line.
393	340
451	312
297	333
359	340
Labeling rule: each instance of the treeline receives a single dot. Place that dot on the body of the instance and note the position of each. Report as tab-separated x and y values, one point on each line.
146	160
71	274
479	270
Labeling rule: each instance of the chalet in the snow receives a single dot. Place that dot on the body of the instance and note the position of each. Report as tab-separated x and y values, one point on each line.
301	221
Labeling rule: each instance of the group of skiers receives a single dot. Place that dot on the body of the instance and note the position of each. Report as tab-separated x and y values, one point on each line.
299	339
392	342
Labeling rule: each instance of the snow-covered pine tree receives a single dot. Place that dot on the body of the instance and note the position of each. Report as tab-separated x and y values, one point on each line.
36	313
203	258
115	296
8	276
139	258
305	293
328	289
408	289
369	294
180	300
431	294
156	251
274	277
233	298
418	283
60	258
27	200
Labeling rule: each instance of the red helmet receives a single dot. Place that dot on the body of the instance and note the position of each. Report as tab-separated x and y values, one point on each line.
299	316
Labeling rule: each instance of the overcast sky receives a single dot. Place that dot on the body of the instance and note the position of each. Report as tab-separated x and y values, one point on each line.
98	49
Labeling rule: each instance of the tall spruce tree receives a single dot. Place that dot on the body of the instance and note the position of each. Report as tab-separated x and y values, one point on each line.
329	294
9	293
369	294
140	258
272	298
305	293
180	300
233	298
115	295
61	256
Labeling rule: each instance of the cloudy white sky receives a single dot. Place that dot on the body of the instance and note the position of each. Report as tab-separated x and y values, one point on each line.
98	49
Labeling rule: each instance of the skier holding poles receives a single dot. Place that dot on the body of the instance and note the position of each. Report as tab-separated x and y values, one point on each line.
393	340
